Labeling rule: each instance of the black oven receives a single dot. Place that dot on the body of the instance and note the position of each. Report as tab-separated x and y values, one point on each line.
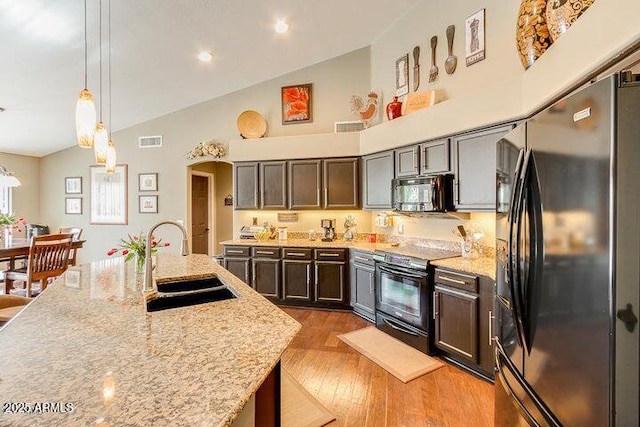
402	298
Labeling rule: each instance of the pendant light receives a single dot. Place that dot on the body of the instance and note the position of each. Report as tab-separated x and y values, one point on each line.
85	107
101	136
111	147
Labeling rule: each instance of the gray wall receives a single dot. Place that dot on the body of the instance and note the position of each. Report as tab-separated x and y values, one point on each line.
26	198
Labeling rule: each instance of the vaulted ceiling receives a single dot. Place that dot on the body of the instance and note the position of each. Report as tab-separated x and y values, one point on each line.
154	50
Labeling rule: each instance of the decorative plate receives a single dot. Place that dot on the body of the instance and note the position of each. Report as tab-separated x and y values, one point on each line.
251	124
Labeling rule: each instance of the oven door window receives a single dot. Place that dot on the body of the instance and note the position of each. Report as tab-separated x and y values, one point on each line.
401	293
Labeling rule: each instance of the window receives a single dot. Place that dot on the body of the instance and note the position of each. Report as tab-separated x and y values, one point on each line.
5	199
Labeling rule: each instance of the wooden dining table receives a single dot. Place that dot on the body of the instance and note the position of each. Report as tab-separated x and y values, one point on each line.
18	248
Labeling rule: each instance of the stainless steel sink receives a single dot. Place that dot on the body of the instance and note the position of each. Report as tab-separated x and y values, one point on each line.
183	293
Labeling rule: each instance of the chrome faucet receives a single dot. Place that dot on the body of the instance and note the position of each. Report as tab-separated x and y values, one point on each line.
148	269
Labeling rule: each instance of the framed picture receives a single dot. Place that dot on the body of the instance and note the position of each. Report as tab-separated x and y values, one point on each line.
148	204
73	185
474	37
147	182
73	205
402	75
296	104
109	195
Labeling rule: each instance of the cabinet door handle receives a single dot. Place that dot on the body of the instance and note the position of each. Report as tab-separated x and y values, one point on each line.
456	185
326	196
490	329
435	305
234	251
253	276
316	278
264	252
318	195
371	282
451	279
359	258
330	255
416	165
308	274
295	254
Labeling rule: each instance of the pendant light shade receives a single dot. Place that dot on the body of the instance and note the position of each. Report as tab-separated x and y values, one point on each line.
111	157
85	119
101	143
7	179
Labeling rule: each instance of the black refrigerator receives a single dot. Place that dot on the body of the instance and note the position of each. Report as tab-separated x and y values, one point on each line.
568	261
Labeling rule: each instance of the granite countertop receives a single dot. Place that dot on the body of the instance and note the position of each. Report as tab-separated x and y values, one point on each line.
485	266
89	334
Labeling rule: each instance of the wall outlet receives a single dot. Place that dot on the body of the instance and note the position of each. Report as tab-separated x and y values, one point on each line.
400	228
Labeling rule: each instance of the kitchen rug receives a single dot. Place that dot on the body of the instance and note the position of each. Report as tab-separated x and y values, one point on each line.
299	407
394	356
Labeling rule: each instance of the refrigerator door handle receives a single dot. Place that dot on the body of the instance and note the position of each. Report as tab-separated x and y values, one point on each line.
515	195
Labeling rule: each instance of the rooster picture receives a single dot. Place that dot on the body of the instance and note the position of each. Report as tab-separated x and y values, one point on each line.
365	112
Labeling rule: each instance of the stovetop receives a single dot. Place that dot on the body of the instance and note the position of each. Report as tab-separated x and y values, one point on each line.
413	257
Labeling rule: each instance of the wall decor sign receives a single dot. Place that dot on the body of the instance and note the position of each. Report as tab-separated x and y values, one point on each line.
402	75
296	104
474	38
73	205
147	182
148	204
108	195
73	185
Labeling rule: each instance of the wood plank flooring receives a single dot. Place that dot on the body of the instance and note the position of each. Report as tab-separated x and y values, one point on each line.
360	393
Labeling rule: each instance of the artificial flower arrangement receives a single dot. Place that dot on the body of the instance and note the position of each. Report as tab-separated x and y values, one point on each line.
135	246
12	220
207	149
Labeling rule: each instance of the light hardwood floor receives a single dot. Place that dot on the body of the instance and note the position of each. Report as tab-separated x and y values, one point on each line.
360	393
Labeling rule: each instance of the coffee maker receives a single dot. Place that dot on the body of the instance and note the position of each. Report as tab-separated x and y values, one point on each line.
329	226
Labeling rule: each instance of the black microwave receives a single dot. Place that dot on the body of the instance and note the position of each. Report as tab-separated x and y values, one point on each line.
424	194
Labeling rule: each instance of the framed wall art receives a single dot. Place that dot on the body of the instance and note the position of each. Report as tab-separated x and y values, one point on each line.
73	185
296	104
402	75
147	182
73	205
474	38
148	204
109	195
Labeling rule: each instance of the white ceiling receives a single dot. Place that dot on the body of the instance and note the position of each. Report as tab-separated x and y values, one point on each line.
154	51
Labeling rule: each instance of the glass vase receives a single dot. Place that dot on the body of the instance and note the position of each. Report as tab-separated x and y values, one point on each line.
139	263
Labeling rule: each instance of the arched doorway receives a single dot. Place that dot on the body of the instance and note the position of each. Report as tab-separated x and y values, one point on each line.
210	218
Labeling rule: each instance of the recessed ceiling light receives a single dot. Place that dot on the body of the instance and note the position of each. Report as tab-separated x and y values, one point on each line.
205	56
281	26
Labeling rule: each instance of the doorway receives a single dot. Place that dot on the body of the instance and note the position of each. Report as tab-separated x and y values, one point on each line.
210	219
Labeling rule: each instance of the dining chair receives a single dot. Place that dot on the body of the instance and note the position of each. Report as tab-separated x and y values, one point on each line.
48	258
10	305
76	232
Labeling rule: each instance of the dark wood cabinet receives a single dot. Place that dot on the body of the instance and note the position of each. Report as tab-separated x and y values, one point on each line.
475	167
265	271
245	186
340	182
273	185
362	284
304	184
330	276
296	280
407	163
434	157
463	319
377	172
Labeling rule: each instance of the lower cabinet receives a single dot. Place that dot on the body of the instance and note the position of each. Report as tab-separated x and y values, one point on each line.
330	282
237	259
296	280
362	284
463	319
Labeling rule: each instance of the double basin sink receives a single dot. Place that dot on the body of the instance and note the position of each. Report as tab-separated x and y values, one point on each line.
183	293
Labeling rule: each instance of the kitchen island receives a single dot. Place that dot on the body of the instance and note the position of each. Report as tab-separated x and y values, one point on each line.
86	352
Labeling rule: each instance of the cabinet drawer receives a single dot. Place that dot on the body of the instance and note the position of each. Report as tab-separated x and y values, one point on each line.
365	258
237	251
330	254
457	280
265	252
297	253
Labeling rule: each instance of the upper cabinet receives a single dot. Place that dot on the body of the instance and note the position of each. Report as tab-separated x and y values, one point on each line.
427	158
245	186
377	173
474	161
305	182
340	182
273	185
